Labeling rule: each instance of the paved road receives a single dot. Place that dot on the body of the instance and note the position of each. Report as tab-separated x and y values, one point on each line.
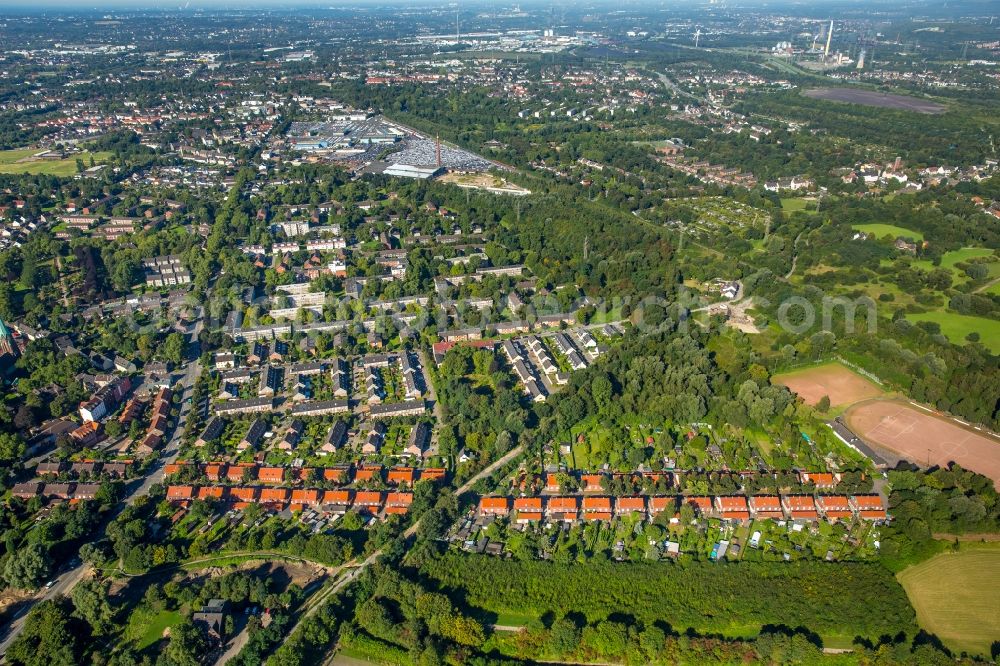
432	395
67	581
172	448
63	585
673	87
235	646
327	591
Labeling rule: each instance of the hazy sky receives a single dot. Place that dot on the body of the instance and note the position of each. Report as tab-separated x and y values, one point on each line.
237	4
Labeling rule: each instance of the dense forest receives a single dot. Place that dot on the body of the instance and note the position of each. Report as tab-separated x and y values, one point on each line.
842	599
932	508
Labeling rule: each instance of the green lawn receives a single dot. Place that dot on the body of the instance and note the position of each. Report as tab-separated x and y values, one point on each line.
955	327
517	619
957	596
10	162
154	627
881	230
11	156
949	259
795	203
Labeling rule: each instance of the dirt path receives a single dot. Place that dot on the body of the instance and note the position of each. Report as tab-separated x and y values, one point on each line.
967	537
986	286
795	255
316	602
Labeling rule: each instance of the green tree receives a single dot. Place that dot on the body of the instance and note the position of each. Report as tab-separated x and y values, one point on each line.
652	640
90	601
187	645
48	638
11	447
564	637
175	347
27	567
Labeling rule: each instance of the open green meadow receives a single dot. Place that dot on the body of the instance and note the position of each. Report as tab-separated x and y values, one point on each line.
796	204
956	327
19	161
957	596
882	230
145	628
949	259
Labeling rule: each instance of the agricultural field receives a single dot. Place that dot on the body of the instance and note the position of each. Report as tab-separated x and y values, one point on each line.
841	385
955	597
925	438
882	230
956	327
20	161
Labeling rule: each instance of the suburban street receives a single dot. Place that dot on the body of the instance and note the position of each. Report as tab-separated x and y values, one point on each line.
65	582
327	591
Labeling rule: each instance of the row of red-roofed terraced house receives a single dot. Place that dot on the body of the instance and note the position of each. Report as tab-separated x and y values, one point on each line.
732	507
333	501
595	483
243	472
60	491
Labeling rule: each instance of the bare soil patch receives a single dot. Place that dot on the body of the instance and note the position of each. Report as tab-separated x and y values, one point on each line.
875	98
833	380
925	438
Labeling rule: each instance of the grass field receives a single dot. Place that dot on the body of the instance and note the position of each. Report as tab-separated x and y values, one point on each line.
957	597
11	162
881	230
955	327
796	203
155	626
841	385
949	259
